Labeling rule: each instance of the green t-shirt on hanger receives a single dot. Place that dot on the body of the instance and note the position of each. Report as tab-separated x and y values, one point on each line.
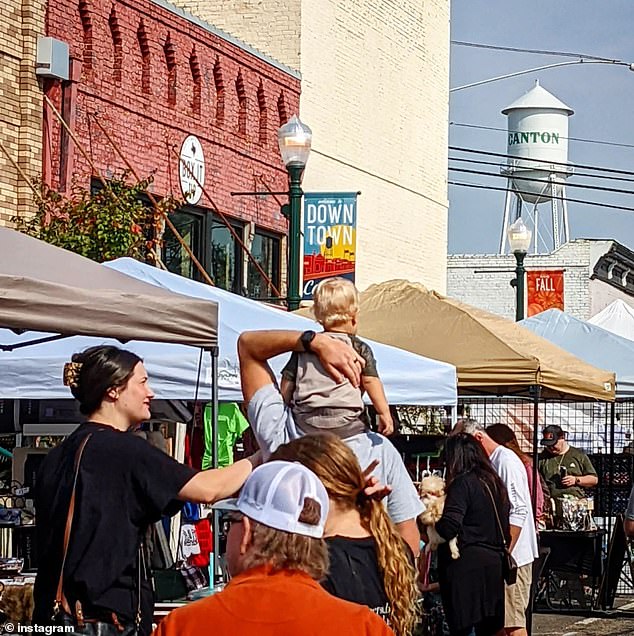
231	425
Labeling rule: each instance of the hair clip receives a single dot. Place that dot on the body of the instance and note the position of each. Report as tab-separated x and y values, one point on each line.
71	374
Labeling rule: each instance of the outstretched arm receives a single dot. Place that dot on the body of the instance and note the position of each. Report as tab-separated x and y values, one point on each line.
255	348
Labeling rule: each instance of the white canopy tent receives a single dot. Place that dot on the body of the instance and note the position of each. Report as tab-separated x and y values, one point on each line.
35	372
617	317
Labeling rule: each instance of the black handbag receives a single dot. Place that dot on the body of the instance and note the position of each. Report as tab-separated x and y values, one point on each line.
509	565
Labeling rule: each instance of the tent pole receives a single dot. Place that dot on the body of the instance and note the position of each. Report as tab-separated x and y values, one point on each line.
215	574
535	392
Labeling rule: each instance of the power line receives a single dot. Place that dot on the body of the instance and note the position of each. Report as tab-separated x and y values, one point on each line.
492	47
542	161
588	141
479	186
576	174
542	181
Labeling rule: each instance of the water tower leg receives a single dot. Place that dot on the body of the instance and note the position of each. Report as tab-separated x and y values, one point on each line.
505	218
536	226
555	214
564	208
518	208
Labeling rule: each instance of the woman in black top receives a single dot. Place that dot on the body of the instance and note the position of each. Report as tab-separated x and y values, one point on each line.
472	587
369	562
123	485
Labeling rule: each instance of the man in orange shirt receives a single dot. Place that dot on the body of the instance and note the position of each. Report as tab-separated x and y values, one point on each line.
276	555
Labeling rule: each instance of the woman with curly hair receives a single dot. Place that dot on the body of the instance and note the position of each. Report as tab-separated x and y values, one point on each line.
369	562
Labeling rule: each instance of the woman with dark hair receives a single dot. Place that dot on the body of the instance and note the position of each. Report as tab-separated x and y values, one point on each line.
472	586
97	494
370	564
504	435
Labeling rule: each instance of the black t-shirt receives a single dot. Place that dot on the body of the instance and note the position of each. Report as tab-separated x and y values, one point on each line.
124	486
354	574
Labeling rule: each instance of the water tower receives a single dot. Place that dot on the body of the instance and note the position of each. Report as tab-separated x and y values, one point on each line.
537	167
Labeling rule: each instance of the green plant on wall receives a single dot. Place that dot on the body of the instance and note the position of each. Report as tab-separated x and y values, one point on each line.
102	224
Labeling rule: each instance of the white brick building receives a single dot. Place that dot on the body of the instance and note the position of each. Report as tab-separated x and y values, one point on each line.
375	82
596	272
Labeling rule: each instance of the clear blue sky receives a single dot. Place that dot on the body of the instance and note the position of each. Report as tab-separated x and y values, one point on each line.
602	97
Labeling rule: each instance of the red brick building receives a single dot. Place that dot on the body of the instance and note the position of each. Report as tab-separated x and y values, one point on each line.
152	75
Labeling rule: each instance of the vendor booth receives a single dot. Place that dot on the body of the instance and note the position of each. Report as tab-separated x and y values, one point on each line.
506	373
609	437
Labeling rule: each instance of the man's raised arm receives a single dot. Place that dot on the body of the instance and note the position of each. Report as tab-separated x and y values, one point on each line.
255	348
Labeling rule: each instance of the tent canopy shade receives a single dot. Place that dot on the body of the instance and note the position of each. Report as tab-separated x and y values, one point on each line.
408	378
46	288
592	344
492	355
617	317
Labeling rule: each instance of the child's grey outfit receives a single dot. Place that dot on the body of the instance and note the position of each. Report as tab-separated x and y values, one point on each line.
320	404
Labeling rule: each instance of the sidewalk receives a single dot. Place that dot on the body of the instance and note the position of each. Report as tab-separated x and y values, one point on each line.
616	623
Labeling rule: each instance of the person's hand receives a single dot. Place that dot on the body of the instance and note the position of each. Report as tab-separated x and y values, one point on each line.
569	481
386	425
338	358
374	489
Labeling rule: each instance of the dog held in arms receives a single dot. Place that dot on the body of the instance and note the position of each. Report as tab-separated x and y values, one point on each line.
432	494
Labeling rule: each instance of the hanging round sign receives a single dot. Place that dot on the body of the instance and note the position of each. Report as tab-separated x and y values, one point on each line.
192	164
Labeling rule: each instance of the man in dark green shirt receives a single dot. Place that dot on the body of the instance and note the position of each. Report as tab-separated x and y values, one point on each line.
566	470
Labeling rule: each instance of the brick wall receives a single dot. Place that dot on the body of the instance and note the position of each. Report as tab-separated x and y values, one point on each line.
152	75
375	79
21	21
484	280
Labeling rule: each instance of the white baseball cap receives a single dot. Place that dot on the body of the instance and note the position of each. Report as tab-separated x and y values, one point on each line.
274	495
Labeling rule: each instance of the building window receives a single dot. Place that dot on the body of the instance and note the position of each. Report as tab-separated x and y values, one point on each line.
190	227
225	256
266	251
212	244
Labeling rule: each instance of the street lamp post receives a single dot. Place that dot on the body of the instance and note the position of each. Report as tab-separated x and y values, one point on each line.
294	139
520	240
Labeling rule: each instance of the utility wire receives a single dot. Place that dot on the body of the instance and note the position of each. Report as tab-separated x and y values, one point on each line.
542	181
576	174
588	141
479	186
492	47
542	161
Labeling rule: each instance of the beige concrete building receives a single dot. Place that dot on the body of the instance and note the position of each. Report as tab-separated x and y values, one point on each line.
375	91
21	21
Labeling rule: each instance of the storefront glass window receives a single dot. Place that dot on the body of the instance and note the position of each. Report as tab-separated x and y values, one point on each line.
175	257
266	251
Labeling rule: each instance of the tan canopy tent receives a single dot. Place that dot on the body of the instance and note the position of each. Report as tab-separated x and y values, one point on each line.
49	289
492	355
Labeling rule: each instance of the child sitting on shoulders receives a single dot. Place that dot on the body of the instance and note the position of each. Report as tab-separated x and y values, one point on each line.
318	402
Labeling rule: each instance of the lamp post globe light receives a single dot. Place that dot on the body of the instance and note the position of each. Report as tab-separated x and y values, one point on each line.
294	139
520	240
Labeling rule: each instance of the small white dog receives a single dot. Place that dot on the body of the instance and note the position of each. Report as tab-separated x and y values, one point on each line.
432	494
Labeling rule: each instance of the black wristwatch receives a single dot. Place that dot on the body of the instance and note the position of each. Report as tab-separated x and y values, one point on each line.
306	339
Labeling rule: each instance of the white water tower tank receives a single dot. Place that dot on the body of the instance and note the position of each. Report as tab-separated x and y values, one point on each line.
537	143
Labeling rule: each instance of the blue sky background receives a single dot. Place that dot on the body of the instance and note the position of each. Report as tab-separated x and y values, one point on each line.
602	97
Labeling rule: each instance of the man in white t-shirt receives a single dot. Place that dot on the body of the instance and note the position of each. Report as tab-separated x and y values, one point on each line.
272	421
522	525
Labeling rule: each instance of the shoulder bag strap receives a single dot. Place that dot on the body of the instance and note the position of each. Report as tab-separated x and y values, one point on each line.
497	516
60	598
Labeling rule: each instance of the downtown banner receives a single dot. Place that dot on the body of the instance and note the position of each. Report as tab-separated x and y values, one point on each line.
330	237
545	290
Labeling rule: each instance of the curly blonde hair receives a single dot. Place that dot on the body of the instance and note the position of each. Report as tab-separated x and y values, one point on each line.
335	301
338	469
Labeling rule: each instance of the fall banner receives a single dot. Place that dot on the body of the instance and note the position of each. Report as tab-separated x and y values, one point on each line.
545	290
